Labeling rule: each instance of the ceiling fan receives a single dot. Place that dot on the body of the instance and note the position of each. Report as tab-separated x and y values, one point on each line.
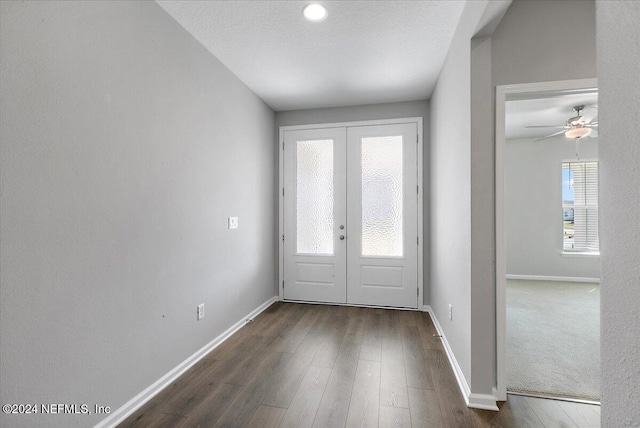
575	127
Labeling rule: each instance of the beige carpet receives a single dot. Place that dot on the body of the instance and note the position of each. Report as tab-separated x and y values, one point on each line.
553	338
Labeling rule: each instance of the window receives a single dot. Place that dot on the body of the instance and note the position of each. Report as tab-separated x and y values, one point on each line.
580	207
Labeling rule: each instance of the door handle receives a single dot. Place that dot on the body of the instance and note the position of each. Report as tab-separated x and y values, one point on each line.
342	237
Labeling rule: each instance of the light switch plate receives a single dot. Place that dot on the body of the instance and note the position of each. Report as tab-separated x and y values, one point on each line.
233	222
200	311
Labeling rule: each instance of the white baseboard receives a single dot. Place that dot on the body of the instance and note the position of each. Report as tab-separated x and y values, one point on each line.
476	401
139	400
554	278
483	401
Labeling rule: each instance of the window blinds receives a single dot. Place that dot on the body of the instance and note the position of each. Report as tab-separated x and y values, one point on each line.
584	176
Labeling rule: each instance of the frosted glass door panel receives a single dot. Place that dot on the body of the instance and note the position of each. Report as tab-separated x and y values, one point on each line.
314	215
382	202
382	220
314	197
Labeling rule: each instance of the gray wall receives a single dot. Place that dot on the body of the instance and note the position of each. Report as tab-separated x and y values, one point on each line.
354	113
482	227
540	41
451	191
618	70
533	199
124	147
375	112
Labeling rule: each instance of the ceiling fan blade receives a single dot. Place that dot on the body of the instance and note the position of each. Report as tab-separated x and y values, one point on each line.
552	135
546	126
594	133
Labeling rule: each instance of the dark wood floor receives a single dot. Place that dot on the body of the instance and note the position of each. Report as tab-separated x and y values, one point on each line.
302	365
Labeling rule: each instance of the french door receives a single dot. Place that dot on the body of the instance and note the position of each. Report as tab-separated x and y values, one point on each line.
350	215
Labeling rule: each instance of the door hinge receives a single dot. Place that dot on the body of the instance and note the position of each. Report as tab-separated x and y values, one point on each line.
417	240
417	139
418	292
418	190
283	191
283	284
283	145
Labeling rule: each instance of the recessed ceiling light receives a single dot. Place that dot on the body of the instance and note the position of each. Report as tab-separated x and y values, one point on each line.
315	12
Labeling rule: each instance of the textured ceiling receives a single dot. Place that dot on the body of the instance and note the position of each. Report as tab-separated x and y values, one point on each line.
365	52
550	110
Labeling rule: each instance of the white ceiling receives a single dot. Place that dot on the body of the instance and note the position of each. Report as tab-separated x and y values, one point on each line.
553	109
365	52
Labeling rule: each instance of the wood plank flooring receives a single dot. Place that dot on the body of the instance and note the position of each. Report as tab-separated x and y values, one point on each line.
301	365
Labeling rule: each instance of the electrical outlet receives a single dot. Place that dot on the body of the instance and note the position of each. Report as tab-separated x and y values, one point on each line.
233	222
200	311
450	312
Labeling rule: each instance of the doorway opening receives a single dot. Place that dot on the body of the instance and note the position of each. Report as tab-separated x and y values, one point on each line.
547	251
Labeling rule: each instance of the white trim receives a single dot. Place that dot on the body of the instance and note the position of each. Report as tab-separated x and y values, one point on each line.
483	401
580	254
554	278
551	86
306	302
280	148
473	400
501	244
420	160
139	400
502	91
376	122
419	122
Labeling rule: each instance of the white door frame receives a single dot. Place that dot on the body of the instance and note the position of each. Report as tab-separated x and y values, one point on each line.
283	129
502	92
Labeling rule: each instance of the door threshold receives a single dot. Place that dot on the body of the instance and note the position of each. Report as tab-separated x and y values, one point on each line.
553	397
349	304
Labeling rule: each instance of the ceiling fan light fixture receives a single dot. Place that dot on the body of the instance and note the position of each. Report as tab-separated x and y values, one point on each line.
577	132
315	12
